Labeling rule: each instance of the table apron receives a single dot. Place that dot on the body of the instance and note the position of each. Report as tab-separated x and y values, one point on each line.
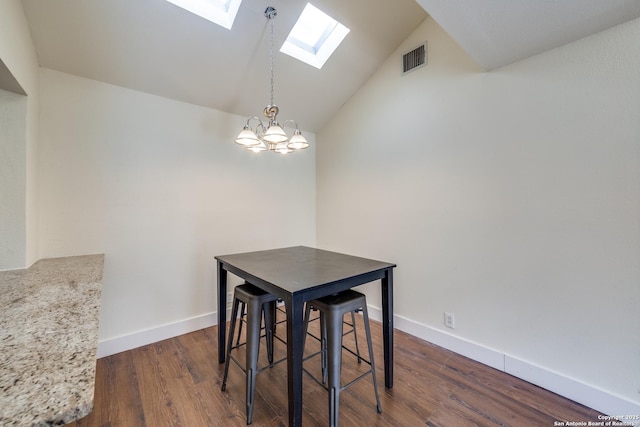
309	293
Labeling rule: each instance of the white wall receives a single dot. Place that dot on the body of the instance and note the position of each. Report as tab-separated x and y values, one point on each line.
13	111
19	215
509	198
159	187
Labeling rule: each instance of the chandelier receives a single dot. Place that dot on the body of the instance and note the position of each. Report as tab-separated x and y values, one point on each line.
270	136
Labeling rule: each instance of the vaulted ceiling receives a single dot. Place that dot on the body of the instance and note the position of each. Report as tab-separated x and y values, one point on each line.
498	32
155	47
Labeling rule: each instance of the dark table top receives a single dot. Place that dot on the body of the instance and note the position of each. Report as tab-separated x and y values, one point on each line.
301	268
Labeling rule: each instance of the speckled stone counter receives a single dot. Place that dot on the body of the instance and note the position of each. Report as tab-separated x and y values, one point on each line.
48	339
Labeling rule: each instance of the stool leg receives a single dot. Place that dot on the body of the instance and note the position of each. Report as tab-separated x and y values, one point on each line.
305	323
323	346
243	314
269	309
365	314
355	335
334	355
323	342
254	317
232	327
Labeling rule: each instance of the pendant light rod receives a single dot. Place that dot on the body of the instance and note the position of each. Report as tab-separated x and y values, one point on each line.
270	13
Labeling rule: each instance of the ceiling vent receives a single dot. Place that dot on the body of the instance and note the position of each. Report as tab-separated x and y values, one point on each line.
415	58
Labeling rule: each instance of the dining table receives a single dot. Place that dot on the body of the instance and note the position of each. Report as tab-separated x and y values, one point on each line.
297	275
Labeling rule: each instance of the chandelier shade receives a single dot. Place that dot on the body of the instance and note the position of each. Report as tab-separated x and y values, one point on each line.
297	141
247	137
271	136
260	146
275	134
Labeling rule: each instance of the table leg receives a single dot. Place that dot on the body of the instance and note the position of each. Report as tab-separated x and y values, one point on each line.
387	326
295	339
222	312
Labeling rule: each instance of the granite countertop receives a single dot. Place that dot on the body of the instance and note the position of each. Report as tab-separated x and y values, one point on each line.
48	340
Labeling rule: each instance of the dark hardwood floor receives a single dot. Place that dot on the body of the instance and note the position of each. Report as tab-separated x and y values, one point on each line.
176	382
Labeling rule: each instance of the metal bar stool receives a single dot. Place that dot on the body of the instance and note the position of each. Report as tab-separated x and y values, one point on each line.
332	310
257	304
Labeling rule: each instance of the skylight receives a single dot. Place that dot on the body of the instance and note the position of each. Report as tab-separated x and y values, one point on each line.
221	12
315	37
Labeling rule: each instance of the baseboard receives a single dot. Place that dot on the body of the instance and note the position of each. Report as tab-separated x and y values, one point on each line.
148	336
577	391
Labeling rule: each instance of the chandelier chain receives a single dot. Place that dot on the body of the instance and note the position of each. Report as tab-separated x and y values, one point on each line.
271	55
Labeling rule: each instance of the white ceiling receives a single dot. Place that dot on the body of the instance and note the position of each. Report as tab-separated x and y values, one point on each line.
8	82
155	47
498	32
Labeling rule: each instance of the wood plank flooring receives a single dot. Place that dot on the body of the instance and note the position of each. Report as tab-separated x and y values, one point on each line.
177	382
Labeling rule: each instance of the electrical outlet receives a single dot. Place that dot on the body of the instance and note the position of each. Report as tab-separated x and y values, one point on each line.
449	320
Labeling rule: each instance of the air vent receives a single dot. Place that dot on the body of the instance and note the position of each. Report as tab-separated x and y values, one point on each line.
415	58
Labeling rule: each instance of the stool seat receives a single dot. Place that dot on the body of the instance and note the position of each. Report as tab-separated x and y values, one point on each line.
332	310
258	304
345	302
